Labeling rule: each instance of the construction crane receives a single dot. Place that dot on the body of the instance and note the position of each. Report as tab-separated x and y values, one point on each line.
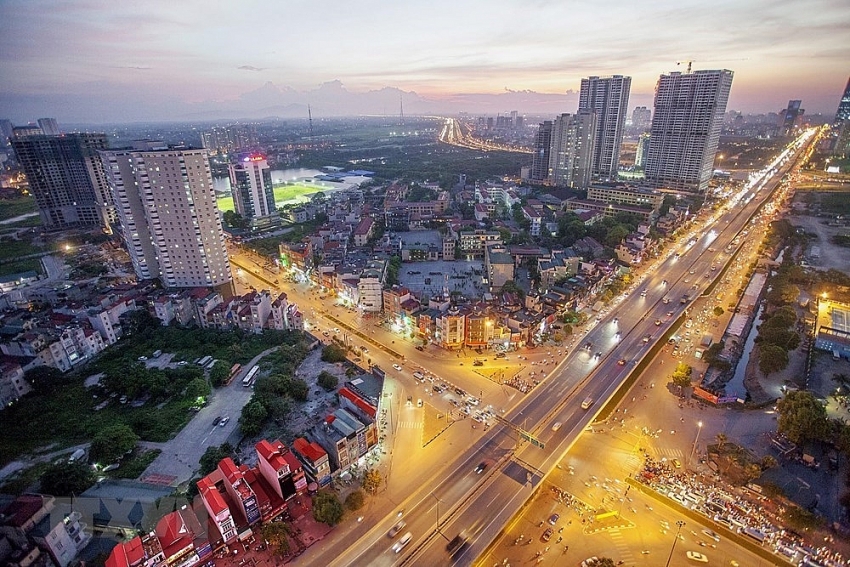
690	62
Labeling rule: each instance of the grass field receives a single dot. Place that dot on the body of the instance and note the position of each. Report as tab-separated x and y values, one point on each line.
283	195
13	207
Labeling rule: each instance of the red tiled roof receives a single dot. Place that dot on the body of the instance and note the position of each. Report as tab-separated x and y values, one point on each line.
272	454
359	402
208	491
229	469
174	536
126	554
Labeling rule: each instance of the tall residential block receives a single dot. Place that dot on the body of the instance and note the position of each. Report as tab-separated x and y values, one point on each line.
542	145
686	123
571	153
251	185
641	118
842	123
789	118
169	219
66	178
843	112
608	97
6	128
49	126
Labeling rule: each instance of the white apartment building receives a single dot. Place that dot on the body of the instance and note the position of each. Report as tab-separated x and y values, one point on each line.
166	203
571	154
251	185
608	97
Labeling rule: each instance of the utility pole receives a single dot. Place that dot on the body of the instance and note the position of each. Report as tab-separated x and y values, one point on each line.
679	525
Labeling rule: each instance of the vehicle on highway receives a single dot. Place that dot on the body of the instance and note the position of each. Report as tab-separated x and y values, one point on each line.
459	392
419	376
500	355
590	562
472	401
457	542
553	519
402	543
666	300
396	529
646	339
216	421
622	362
223	421
588	401
475	362
336	329
556	426
397	367
696	556
547	535
658	322
420	347
481	467
712	534
643	293
598	355
677	463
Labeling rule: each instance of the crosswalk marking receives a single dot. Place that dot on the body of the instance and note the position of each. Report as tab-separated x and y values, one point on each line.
624	552
410	424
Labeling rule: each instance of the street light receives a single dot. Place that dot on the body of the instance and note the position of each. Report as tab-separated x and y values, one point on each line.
693	450
679	525
437	508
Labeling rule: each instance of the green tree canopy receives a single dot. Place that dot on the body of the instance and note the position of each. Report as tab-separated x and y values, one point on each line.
219	373
43	379
372	481
772	358
253	417
213	455
327	508
327	380
355	500
333	353
802	417
277	534
110	444
682	375
67	479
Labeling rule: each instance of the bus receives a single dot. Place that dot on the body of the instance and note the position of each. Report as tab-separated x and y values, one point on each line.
234	370
249	378
204	361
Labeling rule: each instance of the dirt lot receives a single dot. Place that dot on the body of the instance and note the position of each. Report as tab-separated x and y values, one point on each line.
828	255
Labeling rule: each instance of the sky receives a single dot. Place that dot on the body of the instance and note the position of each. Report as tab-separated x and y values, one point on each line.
102	61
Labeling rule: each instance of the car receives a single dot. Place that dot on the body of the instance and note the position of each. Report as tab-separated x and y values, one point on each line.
396	529
658	322
402	543
397	367
501	355
677	463
643	293
663	282
481	467
326	333
696	556
216	421
472	401
336	329
547	535
475	362
553	519
223	421
182	363
142	358
588	346
420	347
588	401
556	426
419	376
459	392
419	402
437	389
590	562
646	338
691	272
597	355
622	362
713	535
616	320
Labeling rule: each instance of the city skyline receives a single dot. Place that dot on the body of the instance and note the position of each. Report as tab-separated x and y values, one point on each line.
94	62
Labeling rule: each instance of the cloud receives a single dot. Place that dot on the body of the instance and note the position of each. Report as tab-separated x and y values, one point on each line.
250	68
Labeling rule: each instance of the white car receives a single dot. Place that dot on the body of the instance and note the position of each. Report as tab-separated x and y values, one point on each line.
472	401
397	367
556	426
696	556
402	543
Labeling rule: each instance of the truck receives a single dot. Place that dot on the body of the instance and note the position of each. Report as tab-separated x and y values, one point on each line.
685	299
455	544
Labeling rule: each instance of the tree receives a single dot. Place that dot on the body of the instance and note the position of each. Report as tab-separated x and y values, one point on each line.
253	417
277	534
327	380
800	519
682	375
752	471
213	455
721	439
802	417
67	479
372	481
604	562
354	501
219	373
235	220
772	358
327	508
197	388
769	462
718	311
44	379
111	443
333	353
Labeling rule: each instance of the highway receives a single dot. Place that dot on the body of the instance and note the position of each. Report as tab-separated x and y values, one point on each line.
481	504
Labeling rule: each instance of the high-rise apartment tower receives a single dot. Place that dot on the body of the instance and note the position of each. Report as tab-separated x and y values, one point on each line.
542	145
571	154
66	178
251	184
686	123
169	219
608	97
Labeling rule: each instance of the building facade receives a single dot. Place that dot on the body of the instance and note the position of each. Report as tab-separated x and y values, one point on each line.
571	153
542	146
608	97
169	218
251	185
66	178
686	123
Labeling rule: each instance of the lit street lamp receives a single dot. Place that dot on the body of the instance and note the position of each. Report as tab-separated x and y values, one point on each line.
679	525
693	450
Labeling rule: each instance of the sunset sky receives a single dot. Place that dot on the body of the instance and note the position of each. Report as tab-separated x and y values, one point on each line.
98	60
